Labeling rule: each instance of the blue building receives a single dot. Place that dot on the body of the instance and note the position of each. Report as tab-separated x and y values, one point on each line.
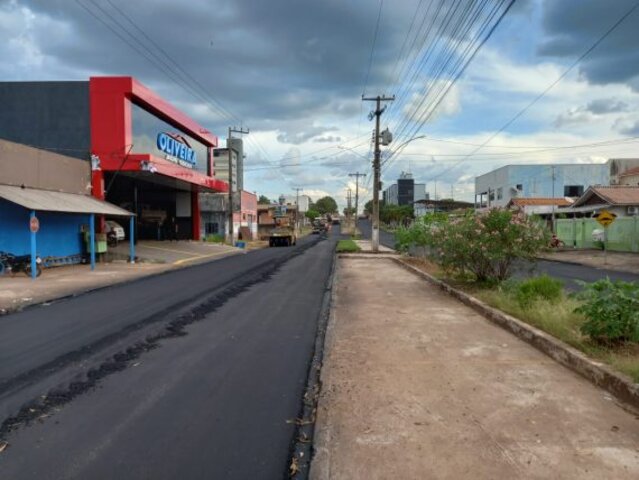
498	187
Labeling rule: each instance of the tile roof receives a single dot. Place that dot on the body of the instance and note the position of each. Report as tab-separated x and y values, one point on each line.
521	202
618	194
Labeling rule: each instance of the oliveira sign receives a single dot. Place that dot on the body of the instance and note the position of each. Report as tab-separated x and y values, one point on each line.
177	148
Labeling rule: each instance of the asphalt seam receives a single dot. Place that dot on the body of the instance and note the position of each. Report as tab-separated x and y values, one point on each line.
42	407
303	437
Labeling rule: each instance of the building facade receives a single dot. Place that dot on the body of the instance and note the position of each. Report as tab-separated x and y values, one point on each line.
498	187
145	155
405	191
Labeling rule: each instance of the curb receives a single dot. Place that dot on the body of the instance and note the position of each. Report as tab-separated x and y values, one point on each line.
600	375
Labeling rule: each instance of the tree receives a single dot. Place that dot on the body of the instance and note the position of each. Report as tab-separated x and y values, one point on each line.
326	205
368	207
263	200
312	214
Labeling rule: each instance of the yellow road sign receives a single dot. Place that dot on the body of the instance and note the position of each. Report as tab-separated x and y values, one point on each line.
605	217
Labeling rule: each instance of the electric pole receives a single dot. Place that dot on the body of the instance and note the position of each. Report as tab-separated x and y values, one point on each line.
297	207
228	147
356	175
377	113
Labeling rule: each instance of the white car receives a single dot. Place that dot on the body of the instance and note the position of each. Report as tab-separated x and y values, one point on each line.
116	228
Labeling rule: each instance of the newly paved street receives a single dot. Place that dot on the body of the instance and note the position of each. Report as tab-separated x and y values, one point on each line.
211	396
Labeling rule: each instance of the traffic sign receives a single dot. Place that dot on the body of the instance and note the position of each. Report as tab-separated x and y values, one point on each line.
605	217
34	224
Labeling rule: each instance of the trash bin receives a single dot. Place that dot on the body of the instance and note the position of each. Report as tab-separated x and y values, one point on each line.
240	244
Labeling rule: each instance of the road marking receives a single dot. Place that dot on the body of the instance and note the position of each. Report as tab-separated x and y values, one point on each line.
183	252
198	257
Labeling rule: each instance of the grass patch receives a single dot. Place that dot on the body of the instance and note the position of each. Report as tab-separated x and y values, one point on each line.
347	246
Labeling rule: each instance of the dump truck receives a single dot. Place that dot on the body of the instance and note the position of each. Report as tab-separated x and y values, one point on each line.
284	233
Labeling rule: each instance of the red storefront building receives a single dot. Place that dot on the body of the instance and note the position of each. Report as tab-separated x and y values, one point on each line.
146	156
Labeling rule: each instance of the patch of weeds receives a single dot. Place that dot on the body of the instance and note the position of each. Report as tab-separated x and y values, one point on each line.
347	246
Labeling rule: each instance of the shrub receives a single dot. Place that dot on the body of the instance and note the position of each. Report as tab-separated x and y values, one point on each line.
487	244
215	238
538	288
611	310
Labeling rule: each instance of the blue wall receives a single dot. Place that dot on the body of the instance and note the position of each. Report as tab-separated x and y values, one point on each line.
59	233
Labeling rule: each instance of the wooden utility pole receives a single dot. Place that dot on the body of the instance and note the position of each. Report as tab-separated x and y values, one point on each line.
356	175
228	147
377	113
297	207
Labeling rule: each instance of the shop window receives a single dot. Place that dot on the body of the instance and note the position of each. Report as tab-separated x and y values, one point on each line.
519	187
211	228
573	190
500	193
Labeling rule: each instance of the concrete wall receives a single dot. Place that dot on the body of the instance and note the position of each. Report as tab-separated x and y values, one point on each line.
623	233
32	167
59	233
49	115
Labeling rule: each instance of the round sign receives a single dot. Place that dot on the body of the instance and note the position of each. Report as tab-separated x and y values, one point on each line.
34	224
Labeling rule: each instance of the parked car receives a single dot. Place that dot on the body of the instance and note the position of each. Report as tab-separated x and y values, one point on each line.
115	230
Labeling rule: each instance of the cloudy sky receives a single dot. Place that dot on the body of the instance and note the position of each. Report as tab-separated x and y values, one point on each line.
294	73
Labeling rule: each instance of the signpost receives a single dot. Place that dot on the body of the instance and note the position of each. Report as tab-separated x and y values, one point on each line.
605	219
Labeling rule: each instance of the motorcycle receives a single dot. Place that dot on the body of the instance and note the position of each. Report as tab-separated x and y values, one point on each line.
18	263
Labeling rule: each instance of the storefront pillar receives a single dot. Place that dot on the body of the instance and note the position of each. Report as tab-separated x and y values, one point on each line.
195	212
92	239
34	271
131	238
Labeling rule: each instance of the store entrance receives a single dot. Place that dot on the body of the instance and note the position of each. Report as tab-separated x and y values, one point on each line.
163	212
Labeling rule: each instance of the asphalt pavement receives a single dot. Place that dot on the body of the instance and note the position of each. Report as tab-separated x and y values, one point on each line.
569	274
197	373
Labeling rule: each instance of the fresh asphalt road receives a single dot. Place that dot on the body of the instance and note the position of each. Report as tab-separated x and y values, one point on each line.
216	402
567	273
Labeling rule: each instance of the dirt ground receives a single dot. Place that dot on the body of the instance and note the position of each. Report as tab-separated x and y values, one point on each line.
416	385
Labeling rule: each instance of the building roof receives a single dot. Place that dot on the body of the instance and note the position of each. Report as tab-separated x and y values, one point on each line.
629	172
50	201
611	195
537	201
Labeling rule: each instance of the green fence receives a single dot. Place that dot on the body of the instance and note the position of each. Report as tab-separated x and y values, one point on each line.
623	233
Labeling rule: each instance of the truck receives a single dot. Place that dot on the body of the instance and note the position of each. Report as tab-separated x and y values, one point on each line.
284	233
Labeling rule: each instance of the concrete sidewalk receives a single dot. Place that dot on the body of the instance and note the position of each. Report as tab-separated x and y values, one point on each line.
621	261
416	385
19	291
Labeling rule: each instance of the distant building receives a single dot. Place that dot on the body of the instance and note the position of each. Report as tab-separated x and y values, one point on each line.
620	168
405	191
423	207
629	177
498	187
622	200
539	206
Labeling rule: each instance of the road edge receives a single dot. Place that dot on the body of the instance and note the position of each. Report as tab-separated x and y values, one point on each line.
619	385
304	449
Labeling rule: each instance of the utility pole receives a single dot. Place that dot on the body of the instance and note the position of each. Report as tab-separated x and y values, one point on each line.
297	207
554	230
377	113
228	147
356	175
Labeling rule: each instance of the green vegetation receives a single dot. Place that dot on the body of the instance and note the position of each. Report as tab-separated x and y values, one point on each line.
325	205
312	214
611	310
215	238
562	318
538	288
263	200
347	246
482	245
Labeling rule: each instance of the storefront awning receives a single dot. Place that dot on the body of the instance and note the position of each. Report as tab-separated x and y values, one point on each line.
49	201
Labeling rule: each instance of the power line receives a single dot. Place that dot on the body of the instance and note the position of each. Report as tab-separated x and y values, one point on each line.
553	84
